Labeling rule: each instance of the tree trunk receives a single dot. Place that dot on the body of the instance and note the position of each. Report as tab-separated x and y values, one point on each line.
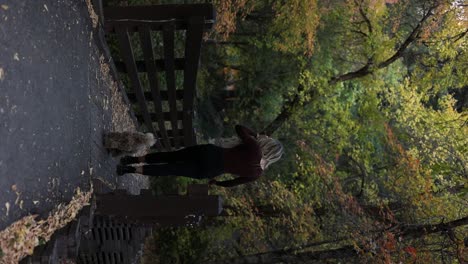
302	257
344	252
415	231
286	112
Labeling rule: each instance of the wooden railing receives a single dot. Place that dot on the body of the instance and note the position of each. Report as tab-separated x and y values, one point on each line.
172	125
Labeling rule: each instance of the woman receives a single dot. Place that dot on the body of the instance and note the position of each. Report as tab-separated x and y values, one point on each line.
247	160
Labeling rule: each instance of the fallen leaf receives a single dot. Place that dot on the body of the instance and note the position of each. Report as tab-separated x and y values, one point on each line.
82	172
35	202
45	6
5	7
19	239
14	188
17	197
2	74
7	205
16	56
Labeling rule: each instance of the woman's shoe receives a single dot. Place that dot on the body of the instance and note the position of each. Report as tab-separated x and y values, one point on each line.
121	170
127	160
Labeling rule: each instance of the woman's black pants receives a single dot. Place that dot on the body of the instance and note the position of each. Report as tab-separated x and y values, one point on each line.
199	162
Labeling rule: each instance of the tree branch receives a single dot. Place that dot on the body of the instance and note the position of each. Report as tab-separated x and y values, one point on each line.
368	67
415	231
364	16
290	106
410	39
287	110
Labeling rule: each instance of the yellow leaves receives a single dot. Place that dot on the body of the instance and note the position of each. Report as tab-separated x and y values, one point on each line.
296	23
19	239
16	241
94	17
377	6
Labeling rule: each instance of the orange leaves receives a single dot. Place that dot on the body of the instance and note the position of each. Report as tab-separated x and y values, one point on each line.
227	14
392	140
389	242
410	250
408	177
387	245
346	201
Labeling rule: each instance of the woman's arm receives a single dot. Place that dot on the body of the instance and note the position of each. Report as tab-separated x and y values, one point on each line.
245	134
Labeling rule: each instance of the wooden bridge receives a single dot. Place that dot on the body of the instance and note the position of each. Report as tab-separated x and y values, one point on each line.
162	87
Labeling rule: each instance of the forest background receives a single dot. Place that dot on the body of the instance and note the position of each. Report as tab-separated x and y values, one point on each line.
370	100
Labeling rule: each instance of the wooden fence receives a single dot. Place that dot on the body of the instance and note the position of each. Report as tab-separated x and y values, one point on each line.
170	117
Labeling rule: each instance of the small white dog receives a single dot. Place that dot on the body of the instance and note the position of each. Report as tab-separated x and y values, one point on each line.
128	143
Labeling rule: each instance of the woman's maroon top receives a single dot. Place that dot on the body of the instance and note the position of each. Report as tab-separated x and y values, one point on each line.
243	160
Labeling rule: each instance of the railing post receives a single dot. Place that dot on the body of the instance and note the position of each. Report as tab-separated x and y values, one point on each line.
176	210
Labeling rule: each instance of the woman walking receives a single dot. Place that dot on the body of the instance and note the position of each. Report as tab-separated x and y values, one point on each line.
247	160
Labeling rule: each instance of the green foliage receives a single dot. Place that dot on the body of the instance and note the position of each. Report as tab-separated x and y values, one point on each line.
182	246
365	156
268	215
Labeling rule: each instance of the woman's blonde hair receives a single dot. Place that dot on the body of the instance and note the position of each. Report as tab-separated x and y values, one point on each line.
272	149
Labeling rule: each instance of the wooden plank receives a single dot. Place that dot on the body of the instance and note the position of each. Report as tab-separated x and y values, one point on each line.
159	12
165	116
162	94
145	40
132	25
107	258
134	207
197	189
129	60
192	59
100	256
111	257
179	65
116	257
170	132
168	36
